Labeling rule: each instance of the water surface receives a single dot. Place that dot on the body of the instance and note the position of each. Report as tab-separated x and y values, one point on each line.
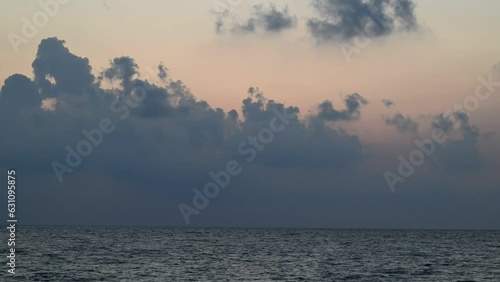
178	254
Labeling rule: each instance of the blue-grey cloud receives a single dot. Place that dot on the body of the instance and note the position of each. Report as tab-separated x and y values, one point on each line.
459	154
20	92
343	20
165	144
164	129
443	122
264	18
353	103
72	74
162	72
402	123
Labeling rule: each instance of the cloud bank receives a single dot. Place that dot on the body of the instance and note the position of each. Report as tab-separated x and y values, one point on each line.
161	126
150	141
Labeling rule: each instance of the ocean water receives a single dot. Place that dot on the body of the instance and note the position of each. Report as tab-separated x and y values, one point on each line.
179	254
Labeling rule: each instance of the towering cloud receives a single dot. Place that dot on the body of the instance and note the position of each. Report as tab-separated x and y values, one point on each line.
153	126
59	71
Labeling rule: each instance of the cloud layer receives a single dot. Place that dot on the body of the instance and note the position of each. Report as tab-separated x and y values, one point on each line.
159	141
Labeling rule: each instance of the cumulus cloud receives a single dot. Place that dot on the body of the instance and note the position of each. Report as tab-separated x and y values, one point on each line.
165	142
402	123
343	20
71	74
159	127
20	92
122	69
332	147
267	19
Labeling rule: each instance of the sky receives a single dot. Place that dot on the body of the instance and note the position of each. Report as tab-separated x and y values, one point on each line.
315	113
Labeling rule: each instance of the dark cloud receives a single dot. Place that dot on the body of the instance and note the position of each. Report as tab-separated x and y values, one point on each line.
123	69
166	142
71	74
294	148
388	103
162	72
459	154
274	20
159	128
20	92
353	103
343	20
268	19
402	123
443	122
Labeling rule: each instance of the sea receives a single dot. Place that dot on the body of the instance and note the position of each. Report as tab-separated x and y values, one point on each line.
47	253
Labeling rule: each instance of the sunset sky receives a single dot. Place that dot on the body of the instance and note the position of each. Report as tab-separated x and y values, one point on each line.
145	168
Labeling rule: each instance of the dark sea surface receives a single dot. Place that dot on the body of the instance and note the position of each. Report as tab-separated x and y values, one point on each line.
178	254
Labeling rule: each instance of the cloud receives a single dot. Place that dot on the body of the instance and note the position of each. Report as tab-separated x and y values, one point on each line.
353	103
159	127
162	72
459	154
344	20
122	68
72	74
489	135
266	19
388	103
402	123
166	142
274	20
443	122
20	92
308	144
